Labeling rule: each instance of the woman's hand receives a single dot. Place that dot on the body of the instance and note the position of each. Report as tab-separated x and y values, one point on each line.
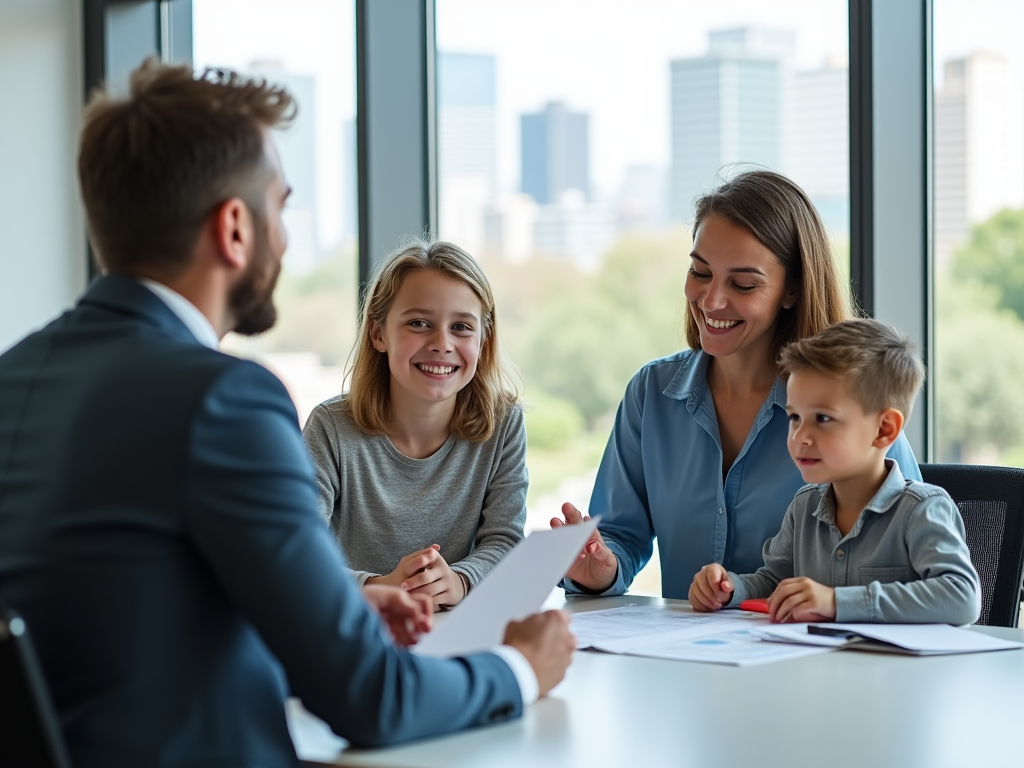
407	616
711	588
597	567
425	573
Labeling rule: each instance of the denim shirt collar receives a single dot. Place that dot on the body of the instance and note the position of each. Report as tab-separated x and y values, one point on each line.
691	383
885	497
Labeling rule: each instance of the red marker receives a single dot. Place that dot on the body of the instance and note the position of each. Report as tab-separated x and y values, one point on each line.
757	605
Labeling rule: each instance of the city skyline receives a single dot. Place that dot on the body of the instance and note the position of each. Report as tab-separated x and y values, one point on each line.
608	81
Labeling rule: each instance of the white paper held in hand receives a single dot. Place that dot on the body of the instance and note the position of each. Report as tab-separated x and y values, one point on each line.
515	588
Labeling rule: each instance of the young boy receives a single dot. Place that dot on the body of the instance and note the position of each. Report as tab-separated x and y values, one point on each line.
861	543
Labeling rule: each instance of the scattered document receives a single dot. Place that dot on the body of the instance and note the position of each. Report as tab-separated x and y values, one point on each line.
515	588
595	627
914	639
679	633
738	646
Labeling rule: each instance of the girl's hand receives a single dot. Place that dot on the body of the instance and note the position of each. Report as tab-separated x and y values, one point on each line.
802	599
425	573
597	567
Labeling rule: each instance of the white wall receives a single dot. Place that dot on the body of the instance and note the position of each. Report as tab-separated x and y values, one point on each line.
42	230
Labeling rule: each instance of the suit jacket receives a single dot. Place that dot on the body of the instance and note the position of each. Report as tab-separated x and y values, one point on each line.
159	533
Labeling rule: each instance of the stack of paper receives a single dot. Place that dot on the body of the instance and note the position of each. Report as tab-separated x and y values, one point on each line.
914	639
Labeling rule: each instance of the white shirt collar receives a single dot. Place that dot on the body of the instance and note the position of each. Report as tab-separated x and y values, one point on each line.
186	311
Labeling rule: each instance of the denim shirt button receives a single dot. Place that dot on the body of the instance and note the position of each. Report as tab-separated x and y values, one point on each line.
721	511
840	554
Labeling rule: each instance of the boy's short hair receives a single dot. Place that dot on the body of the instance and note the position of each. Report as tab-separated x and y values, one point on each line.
881	367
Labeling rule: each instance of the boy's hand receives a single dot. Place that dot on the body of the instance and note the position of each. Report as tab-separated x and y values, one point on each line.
711	588
596	568
426	573
802	599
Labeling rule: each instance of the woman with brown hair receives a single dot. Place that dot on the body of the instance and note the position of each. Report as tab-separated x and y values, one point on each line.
697	455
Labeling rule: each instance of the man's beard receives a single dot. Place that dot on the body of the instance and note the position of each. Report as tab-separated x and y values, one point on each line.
251	300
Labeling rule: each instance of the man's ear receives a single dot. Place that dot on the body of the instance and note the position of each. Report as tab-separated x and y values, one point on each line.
234	232
377	336
890	422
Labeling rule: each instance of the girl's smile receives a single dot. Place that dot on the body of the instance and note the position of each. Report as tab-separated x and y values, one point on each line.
432	337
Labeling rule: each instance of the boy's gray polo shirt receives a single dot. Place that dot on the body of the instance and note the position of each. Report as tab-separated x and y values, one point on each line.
904	561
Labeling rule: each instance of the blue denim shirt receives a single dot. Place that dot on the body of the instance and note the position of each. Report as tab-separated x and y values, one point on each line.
661	475
904	561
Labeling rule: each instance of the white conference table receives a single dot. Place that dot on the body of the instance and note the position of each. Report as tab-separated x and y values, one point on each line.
834	710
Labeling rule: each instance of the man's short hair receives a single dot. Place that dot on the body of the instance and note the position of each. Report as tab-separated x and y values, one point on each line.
880	366
154	165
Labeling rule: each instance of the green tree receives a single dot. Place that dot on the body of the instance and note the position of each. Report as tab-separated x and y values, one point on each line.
581	337
978	370
316	311
994	255
583	350
551	422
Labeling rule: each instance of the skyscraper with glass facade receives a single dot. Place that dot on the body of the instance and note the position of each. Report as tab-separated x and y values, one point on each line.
727	107
467	143
555	153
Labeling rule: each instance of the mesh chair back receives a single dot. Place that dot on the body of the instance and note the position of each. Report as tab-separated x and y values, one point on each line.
29	732
991	503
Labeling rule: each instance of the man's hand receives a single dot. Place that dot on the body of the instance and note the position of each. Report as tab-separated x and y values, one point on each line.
426	573
546	642
802	599
597	567
711	588
407	616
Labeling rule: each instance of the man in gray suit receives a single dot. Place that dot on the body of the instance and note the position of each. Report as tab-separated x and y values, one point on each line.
158	524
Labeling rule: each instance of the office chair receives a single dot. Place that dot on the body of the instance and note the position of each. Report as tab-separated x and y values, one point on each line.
991	503
30	735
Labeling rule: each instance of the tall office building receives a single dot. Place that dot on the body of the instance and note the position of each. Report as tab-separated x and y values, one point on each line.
575	230
817	140
555	153
641	198
979	147
728	107
297	146
467	144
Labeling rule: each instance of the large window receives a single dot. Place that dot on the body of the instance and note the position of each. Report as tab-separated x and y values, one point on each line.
979	231
572	140
309	47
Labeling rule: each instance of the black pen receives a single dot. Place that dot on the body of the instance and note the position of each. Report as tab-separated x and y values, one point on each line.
814	629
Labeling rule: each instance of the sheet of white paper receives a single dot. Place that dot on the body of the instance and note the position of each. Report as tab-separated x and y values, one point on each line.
918	639
931	638
515	588
737	644
593	628
313	738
